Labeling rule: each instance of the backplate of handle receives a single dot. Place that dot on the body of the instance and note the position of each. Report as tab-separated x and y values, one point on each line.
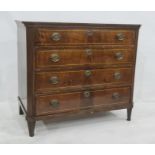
88	73
54	57
54	80
119	55
54	103
117	75
116	96
120	36
56	36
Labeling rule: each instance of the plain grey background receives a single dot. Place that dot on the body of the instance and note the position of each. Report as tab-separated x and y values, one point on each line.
13	128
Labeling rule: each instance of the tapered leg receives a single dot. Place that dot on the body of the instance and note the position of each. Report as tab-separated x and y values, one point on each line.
20	111
31	127
129	111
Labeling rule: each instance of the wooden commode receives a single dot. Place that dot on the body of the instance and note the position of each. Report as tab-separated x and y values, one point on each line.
68	69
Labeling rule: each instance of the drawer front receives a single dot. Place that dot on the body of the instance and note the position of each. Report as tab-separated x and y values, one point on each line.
45	36
80	78
76	57
58	103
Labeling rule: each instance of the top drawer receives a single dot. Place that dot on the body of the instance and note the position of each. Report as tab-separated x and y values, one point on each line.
49	36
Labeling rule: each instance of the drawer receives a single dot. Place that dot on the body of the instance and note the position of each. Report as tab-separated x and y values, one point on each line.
52	80
88	56
47	36
58	103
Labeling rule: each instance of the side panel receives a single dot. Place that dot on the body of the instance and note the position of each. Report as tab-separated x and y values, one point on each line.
30	73
134	67
26	69
22	65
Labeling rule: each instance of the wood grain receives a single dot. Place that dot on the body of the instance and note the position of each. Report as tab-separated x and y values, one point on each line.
77	100
79	79
76	36
86	56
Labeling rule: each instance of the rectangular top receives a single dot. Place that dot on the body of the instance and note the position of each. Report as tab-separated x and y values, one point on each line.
57	24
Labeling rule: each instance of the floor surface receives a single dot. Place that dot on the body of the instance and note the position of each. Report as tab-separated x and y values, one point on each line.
101	128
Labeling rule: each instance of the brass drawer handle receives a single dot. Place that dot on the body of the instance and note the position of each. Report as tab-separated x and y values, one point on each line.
54	103
116	96
54	80
119	56
55	57
117	75
88	52
88	73
56	36
120	36
86	94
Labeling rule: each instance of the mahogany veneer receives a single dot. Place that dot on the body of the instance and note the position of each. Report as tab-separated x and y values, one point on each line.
68	69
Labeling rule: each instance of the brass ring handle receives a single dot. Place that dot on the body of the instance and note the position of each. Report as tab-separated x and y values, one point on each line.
120	36
119	56
117	75
88	73
54	103
116	96
56	36
88	52
55	57
54	80
86	94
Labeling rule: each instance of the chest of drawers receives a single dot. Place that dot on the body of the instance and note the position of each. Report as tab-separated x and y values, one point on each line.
67	69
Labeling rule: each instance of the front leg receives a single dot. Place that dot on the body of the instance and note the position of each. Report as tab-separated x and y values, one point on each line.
31	126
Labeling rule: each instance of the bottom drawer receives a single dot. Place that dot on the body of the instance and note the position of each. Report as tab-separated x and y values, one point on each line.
64	102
